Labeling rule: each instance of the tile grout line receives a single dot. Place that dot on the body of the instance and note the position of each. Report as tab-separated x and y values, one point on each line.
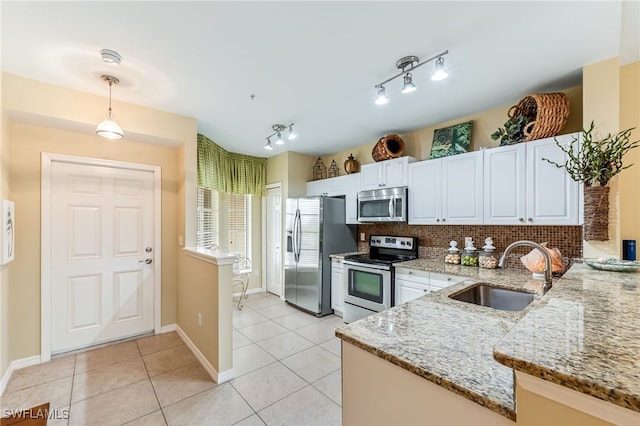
73	379
152	387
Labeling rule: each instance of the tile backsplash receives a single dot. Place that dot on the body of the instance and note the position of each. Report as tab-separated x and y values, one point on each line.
434	239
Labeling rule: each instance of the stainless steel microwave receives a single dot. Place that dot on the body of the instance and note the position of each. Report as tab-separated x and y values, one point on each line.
383	205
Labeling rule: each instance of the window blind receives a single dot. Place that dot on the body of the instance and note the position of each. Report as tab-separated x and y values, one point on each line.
207	220
238	222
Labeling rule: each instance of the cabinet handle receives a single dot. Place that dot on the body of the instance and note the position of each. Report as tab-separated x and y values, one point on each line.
444	220
410	272
521	219
530	219
437	220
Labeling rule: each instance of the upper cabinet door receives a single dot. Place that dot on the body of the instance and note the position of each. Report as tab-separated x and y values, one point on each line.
385	174
504	184
395	172
552	196
370	176
462	190
424	192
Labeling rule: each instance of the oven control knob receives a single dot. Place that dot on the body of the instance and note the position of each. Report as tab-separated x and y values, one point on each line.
402	242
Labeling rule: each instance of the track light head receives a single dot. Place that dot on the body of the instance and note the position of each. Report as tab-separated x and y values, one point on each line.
408	86
268	145
381	97
439	73
279	141
292	134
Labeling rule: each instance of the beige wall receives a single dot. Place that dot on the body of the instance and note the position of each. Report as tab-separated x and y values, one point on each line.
47	118
418	143
611	100
199	294
630	179
29	142
5	154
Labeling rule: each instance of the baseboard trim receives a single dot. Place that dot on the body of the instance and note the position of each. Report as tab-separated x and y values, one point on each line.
219	378
167	329
17	365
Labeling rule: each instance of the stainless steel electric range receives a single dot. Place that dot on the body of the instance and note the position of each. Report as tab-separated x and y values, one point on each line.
369	278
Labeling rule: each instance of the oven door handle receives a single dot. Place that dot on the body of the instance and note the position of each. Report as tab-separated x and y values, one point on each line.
366	265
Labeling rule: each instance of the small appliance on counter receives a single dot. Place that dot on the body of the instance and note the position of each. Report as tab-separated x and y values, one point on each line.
369	278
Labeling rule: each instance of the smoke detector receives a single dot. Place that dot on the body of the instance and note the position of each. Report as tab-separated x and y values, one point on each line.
110	56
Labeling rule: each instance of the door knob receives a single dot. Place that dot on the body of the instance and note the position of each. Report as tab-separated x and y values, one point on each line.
147	261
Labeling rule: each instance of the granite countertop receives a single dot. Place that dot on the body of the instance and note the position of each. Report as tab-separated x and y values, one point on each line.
342	255
583	334
447	341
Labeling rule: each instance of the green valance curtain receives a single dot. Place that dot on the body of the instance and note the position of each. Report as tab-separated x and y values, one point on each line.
228	172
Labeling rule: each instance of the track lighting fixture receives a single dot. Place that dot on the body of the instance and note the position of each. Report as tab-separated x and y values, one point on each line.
381	99
277	131
407	64
439	73
408	86
109	128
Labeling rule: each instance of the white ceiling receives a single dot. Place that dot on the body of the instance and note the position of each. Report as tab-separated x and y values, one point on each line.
313	63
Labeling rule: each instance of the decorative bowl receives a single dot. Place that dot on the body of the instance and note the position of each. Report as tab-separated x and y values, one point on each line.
613	265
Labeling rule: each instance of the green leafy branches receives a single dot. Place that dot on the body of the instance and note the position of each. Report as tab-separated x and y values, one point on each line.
513	130
597	162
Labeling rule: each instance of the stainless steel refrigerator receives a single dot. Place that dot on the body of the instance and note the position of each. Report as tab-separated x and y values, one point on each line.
315	229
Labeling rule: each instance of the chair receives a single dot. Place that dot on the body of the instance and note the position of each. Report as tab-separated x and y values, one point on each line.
240	280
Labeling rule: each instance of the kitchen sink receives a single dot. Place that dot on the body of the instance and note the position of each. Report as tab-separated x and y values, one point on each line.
504	299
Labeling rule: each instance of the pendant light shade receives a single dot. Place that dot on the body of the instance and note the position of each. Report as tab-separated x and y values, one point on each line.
109	128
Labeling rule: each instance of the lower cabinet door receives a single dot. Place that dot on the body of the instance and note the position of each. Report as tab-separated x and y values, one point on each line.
337	286
407	290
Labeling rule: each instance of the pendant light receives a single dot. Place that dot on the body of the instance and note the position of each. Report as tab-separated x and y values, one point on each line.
109	128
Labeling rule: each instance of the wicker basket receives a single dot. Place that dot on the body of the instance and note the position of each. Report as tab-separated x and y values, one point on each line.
547	113
390	146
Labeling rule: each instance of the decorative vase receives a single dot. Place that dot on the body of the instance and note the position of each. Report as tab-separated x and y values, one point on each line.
351	165
596	213
390	146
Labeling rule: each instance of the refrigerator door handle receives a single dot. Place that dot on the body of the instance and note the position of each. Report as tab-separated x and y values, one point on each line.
298	235
295	236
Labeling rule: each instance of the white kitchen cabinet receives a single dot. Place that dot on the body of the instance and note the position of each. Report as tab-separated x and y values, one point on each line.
413	283
337	285
410	284
347	186
440	281
446	190
523	188
385	174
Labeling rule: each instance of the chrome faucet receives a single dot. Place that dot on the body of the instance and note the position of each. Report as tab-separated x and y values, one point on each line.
545	254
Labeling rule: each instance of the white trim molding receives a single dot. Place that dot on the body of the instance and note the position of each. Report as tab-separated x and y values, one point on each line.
166	329
17	365
46	248
219	378
211	256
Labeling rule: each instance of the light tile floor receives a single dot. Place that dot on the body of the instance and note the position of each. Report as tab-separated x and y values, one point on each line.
287	366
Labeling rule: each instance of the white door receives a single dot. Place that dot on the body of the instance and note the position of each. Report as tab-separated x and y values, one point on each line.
274	241
102	228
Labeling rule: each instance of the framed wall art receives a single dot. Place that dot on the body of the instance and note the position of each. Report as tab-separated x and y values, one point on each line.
8	231
451	140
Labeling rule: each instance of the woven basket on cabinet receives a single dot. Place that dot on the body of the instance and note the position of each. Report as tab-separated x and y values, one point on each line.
547	113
